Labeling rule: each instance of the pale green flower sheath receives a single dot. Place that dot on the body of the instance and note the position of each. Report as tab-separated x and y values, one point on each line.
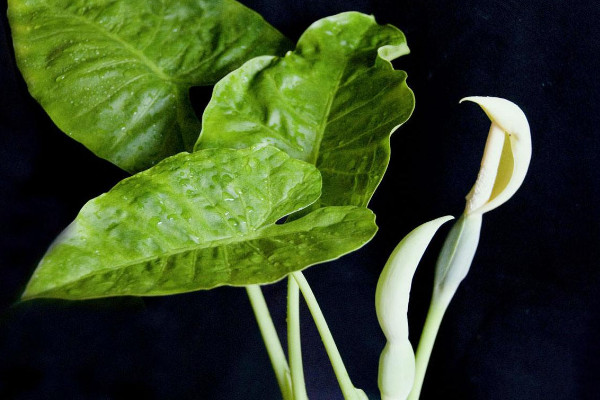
503	168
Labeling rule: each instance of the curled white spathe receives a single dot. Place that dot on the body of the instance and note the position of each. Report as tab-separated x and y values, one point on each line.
397	361
506	156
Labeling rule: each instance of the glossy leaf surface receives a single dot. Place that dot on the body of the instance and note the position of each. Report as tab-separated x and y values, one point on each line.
197	221
115	74
332	102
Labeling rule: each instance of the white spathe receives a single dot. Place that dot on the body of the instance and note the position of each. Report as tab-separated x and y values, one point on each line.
506	156
397	361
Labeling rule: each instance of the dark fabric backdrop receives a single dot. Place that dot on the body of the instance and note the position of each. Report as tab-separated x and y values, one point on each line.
525	323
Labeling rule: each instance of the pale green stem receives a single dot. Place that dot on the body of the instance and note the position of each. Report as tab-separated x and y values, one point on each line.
271	339
452	266
437	308
294	345
348	390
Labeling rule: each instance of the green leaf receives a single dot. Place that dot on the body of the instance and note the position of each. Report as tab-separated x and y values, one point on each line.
115	74
333	102
197	221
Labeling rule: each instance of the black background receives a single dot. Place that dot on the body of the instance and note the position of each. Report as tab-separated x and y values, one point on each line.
525	324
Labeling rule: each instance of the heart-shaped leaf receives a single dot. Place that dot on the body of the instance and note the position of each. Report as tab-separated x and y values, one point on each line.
115	74
197	221
333	102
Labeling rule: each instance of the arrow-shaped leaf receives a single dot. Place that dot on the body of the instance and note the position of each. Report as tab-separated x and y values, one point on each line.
332	102
196	221
115	74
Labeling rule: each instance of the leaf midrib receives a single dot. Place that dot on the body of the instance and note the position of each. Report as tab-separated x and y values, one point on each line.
314	156
256	234
140	55
169	292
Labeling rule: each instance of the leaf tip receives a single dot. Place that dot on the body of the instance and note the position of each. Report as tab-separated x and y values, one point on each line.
391	52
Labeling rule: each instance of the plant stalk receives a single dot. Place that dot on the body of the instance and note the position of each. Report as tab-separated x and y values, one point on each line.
348	390
437	308
271	339
294	343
